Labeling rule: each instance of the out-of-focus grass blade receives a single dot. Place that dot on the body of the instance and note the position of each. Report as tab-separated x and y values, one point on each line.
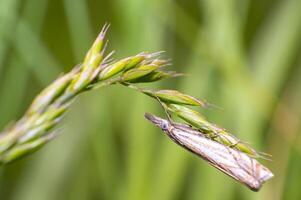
226	52
276	44
33	16
8	16
273	51
205	179
141	143
172	160
12	91
101	137
63	169
292	191
61	158
130	19
285	132
149	36
78	186
35	54
40	61
79	26
13	82
166	12
105	156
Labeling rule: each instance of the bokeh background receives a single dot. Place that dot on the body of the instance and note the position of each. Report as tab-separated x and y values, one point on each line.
241	55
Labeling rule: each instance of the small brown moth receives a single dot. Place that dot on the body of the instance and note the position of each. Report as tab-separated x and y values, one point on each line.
232	162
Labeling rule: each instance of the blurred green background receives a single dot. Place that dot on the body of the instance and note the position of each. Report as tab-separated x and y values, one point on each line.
243	56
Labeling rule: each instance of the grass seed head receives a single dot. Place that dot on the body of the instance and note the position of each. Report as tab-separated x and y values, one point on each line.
174	97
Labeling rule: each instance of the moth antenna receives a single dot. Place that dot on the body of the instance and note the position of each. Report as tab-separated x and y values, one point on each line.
158	99
165	109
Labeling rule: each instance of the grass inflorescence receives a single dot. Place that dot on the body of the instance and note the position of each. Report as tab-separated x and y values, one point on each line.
39	124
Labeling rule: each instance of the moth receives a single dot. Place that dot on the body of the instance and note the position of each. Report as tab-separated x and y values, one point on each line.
232	162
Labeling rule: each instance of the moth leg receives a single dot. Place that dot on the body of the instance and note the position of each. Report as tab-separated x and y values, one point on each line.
215	135
234	144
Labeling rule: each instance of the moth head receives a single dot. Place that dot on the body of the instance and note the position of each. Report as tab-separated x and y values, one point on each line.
161	123
164	125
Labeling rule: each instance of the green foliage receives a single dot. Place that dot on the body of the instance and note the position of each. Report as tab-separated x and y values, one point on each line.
240	55
36	127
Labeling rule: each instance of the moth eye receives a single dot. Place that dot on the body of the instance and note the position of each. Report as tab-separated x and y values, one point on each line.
164	126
